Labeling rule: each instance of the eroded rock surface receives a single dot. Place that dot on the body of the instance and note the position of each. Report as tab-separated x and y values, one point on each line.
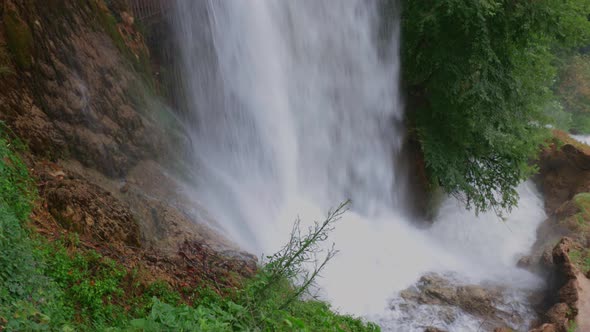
565	181
77	89
83	94
448	298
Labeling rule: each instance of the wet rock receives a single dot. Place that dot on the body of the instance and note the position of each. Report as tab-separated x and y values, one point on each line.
564	288
447	315
433	329
87	209
47	71
83	100
59	174
557	315
477	300
127	19
545	328
437	290
563	172
447	297
433	289
547	257
89	121
525	262
564	178
124	187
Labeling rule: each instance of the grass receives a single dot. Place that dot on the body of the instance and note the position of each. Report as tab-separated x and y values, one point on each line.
572	327
59	286
581	258
579	223
580	123
561	138
582	201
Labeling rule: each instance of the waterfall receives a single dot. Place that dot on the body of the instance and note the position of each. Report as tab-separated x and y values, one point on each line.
293	107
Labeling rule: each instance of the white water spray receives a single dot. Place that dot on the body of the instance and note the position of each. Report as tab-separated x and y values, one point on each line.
293	109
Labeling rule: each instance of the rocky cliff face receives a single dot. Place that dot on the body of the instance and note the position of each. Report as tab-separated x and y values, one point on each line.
73	90
564	241
76	86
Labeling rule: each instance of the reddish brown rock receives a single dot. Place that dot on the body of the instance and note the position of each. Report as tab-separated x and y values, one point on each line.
80	98
84	105
563	171
450	295
545	328
433	329
85	208
557	315
503	329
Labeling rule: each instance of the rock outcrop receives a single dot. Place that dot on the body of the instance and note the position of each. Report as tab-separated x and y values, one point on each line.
80	94
76	86
564	177
449	298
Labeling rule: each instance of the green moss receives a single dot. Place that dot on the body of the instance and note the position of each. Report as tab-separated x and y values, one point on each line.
4	62
582	201
579	222
19	39
65	286
581	258
108	22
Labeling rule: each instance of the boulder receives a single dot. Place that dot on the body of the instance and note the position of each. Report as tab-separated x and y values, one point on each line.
448	296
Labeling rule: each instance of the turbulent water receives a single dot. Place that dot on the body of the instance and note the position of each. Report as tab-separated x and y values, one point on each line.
293	108
582	138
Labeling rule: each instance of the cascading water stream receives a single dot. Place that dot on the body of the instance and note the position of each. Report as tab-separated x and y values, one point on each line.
294	107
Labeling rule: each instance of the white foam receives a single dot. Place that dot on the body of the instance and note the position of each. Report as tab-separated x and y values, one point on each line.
294	107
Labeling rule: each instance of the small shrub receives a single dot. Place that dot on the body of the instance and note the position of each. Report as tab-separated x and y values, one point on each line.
28	299
58	286
272	301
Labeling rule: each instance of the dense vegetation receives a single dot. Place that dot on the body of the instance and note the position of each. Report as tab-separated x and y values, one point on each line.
573	89
479	77
60	286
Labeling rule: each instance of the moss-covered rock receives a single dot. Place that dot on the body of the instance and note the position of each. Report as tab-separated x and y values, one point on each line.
582	201
581	258
4	62
19	38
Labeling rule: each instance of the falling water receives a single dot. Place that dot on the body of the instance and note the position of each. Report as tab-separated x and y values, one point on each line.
294	107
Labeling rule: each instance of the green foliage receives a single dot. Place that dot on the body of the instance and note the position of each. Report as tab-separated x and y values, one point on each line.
582	201
60	287
28	299
581	258
272	301
580	123
573	90
558	117
572	326
16	188
573	85
478	75
90	282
